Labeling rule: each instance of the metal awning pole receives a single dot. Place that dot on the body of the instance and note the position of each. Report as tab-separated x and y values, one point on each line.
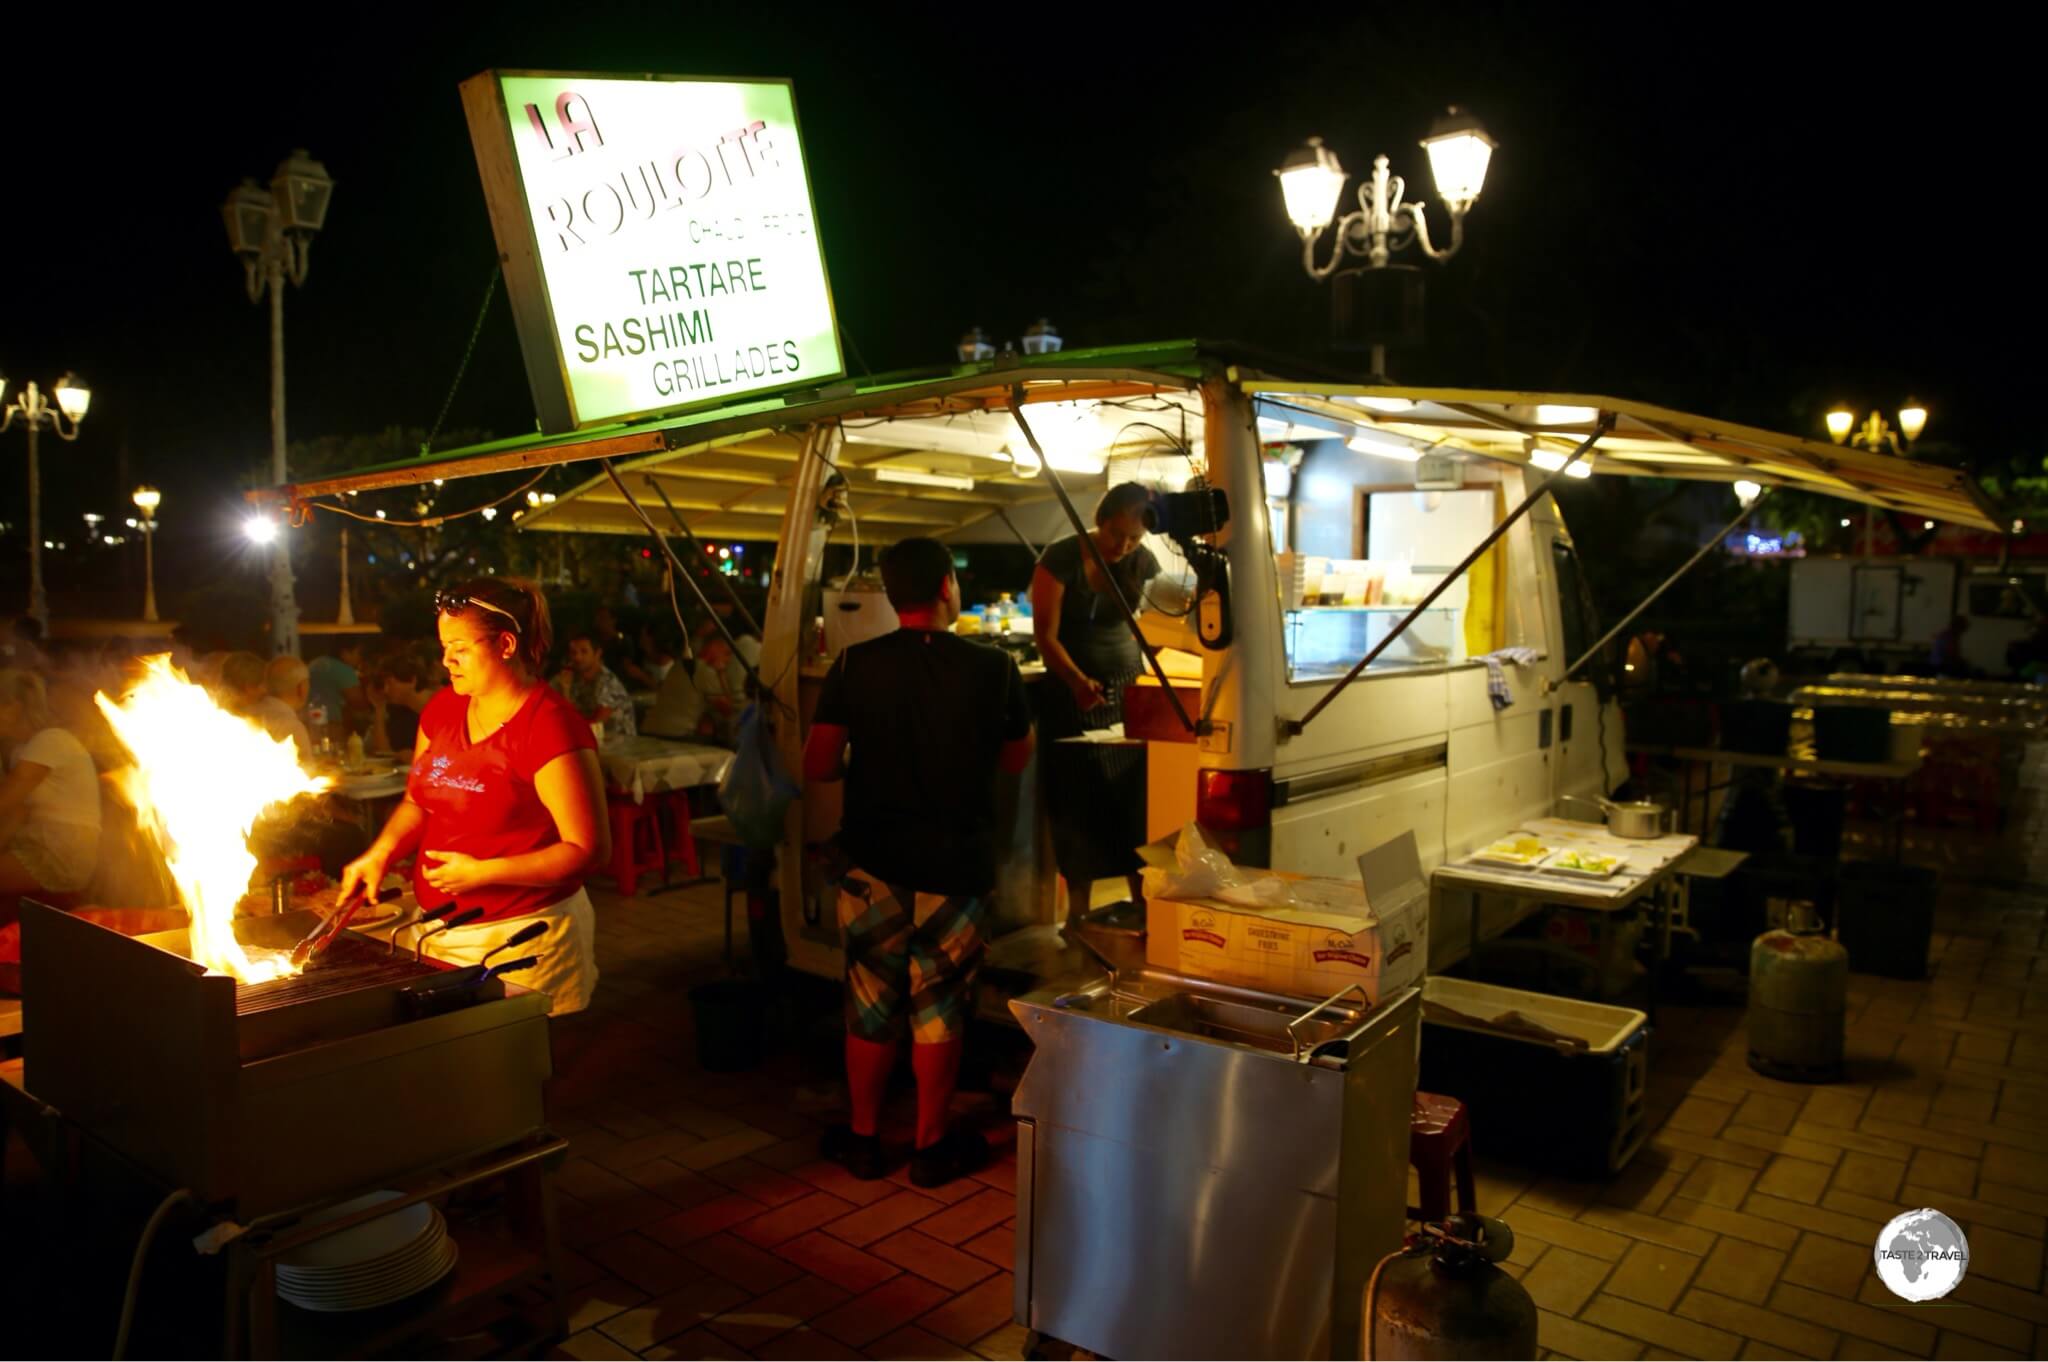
1664	586
1600	428
692	540
676	566
1095	551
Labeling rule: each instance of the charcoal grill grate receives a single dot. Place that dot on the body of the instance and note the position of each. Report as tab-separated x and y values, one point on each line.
349	965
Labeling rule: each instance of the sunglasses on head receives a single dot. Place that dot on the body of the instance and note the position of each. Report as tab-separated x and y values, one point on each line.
454	603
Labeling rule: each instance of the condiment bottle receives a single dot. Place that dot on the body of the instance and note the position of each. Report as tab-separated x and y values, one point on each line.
355	749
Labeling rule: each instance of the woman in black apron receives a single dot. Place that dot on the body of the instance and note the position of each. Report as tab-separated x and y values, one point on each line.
1095	794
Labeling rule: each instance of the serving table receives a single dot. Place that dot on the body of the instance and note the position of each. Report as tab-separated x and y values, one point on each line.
1650	869
641	766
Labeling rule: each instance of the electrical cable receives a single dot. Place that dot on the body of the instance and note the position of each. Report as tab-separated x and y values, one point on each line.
475	332
433	520
155	1222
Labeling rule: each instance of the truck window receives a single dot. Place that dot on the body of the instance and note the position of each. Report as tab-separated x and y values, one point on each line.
1404	542
1581	624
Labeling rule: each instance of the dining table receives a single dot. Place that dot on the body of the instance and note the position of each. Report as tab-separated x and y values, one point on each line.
644	765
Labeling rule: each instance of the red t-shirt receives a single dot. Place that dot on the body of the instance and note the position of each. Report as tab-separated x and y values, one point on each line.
479	797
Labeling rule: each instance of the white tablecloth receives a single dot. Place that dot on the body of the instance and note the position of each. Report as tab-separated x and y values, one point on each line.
638	766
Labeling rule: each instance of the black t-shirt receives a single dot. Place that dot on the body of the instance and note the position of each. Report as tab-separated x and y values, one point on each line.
1092	627
926	714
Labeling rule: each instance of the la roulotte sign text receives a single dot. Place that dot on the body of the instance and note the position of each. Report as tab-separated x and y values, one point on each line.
658	238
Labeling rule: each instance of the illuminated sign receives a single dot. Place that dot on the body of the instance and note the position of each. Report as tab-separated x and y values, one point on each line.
659	244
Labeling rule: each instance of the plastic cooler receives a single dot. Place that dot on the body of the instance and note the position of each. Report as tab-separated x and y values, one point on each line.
1531	1100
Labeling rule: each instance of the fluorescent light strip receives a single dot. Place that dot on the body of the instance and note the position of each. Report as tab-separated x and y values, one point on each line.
915	478
1550	461
1381	446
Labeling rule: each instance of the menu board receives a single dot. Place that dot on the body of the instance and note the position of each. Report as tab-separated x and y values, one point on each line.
660	247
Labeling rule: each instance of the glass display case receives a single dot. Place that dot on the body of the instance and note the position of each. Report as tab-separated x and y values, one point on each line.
1326	641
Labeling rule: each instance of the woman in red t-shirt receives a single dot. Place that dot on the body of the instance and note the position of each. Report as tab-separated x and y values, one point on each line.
505	805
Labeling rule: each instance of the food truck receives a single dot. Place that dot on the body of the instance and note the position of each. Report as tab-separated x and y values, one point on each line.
1341	507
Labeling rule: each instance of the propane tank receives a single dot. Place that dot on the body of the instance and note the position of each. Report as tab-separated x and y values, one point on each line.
1798	1006
1442	1297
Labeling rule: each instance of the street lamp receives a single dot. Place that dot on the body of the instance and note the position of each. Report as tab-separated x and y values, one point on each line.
147	499
1878	437
1312	184
272	233
33	408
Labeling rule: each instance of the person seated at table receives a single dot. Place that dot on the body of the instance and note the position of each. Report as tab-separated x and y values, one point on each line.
678	710
245	690
721	679
658	643
595	689
50	799
397	695
337	682
290	684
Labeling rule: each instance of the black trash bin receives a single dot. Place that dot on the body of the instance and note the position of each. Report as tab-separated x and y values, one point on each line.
1887	918
732	1024
1816	809
1852	733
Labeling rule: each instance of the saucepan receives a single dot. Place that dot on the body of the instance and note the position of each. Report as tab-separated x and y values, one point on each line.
1638	819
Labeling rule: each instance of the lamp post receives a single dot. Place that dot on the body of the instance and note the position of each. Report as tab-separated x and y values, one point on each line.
32	408
147	499
1312	183
1877	436
346	614
272	231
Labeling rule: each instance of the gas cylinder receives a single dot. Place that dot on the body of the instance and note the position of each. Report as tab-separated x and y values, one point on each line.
1442	1297
1798	1006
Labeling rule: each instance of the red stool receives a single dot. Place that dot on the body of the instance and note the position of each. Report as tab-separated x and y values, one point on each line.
636	842
1439	1144
672	811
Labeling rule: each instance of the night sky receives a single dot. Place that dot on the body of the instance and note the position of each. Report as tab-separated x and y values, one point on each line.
1731	215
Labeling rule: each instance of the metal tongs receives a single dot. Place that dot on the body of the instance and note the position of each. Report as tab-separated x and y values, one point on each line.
323	935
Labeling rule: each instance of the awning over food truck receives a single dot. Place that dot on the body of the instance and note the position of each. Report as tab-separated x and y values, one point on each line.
935	452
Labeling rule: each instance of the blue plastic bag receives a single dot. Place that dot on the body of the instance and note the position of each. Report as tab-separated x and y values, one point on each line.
756	790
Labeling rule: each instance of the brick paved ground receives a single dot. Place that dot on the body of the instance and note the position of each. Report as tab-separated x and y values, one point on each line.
703	1224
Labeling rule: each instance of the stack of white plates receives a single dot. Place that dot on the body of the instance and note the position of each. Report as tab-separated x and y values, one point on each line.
373	1264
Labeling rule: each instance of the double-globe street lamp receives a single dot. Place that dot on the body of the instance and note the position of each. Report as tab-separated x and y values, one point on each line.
272	231
1312	184
1877	436
147	499
32	408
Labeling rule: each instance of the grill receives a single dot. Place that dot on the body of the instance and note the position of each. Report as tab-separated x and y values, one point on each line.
268	1097
349	964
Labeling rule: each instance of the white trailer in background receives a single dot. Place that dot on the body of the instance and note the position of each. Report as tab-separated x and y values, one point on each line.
1885	612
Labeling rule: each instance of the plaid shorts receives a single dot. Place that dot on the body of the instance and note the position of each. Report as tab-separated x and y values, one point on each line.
914	962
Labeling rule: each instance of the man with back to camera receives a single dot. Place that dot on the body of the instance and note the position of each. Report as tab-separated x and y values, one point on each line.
930	718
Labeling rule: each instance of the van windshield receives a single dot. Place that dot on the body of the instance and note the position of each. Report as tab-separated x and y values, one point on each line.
1364	545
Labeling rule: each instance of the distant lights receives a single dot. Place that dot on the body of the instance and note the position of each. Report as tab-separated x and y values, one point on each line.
1928	526
1845	522
380	515
490	513
2018	525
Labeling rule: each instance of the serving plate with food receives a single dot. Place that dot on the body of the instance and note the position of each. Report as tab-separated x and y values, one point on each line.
1519	850
1587	865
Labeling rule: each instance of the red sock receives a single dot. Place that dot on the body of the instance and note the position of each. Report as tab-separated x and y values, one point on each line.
938	1070
868	1066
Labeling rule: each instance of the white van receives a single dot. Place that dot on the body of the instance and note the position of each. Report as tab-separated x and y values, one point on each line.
1346	505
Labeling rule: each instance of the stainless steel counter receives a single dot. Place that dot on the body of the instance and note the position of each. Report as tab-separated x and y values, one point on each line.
1208	1171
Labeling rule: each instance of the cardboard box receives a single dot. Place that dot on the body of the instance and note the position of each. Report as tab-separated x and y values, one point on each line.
1330	935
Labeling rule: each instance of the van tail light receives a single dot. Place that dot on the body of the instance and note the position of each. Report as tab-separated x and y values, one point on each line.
1230	804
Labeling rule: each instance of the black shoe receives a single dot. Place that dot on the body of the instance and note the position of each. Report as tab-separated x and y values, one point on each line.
958	1153
861	1155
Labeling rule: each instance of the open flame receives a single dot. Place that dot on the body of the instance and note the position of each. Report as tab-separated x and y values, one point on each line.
201	778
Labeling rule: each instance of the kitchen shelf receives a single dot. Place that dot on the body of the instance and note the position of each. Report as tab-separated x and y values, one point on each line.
490	1266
